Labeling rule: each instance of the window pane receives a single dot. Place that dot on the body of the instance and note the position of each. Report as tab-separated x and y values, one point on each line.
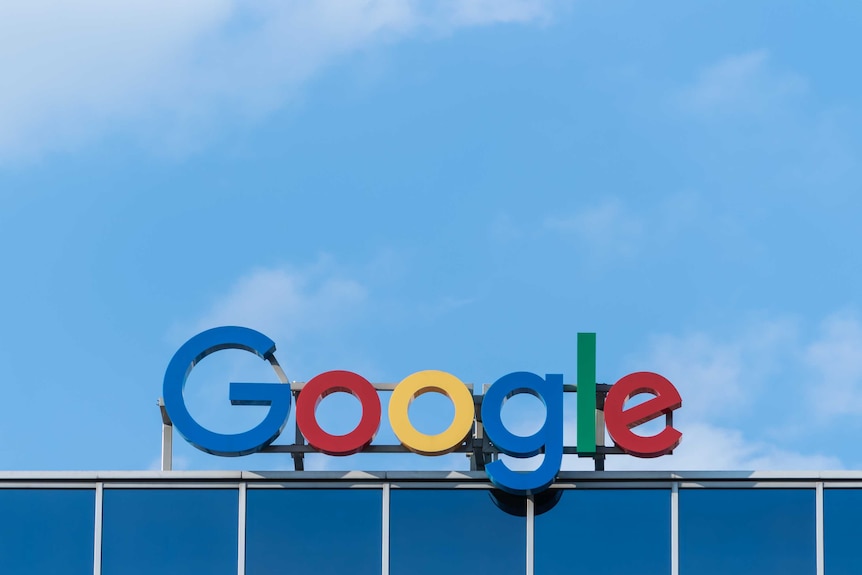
842	509
446	531
170	531
747	531
576	534
314	531
47	531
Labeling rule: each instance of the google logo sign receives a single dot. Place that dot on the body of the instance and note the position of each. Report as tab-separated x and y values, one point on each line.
619	418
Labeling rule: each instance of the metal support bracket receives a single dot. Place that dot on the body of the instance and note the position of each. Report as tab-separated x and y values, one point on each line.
167	438
477	446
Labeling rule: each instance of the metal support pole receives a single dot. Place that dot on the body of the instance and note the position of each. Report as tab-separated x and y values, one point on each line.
599	458
167	438
477	457
299	439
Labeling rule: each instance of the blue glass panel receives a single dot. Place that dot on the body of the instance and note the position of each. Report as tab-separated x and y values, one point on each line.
314	532
842	509
580	534
47	531
445	531
170	531
747	531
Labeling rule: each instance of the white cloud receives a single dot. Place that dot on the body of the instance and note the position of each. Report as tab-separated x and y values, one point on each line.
616	228
77	71
294	307
721	379
478	12
714	373
715	376
287	303
743	83
835	358
608	226
712	448
297	308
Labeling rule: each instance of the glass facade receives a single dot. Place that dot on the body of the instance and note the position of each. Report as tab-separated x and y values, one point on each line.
47	531
318	531
841	510
747	531
214	524
585	520
169	531
426	541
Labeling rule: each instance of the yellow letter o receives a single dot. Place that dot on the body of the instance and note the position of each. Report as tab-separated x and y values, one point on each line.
415	385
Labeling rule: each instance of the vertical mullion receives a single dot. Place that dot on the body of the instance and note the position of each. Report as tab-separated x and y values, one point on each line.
531	535
240	551
97	536
385	548
819	530
674	529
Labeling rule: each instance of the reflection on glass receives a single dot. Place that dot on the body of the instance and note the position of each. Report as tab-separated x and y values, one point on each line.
842	509
314	531
747	531
516	504
47	531
170	531
605	532
435	532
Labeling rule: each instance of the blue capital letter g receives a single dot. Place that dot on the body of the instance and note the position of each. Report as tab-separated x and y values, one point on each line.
277	396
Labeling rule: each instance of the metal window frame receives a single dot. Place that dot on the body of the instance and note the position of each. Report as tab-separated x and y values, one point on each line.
242	481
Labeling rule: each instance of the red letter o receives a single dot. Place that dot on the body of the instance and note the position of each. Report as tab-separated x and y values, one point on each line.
332	382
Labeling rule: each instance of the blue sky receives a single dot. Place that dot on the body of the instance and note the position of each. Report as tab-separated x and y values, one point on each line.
387	187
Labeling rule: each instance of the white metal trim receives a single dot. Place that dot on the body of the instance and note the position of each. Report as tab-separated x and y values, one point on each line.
819	530
97	537
47	485
789	484
659	484
466	476
842	484
674	529
347	484
240	551
169	485
385	535
438	484
531	535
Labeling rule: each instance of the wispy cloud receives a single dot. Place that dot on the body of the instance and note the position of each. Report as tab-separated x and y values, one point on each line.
835	359
75	72
613	230
481	12
713	373
298	308
714	448
741	84
607	227
287	303
725	380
